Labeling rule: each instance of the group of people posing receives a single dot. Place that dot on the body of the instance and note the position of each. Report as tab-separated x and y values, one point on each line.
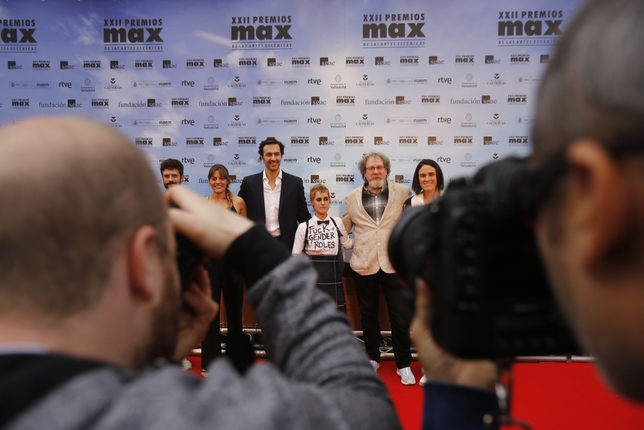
276	200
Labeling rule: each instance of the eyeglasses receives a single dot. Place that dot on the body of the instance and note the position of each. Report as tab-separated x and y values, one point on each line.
372	169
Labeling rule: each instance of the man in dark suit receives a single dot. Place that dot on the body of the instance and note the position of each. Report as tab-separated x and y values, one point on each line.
273	197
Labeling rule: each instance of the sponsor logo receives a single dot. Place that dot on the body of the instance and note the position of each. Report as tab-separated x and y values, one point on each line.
12	65
247	62
408	140
168	64
337	163
182	102
41	65
218	63
20	104
430	100
432	140
195	63
464	60
114	65
300	140
64	65
544	59
381	61
261	32
18	36
407	81
343	179
210	84
400	30
338	122
132	35
272	62
468	123
210	123
489	140
489	59
236	122
496	121
315	160
152	84
92	65
324	61
166	141
533	27
324	141
345	100
218	141
312	120
379	141
400	179
337	83
143	65
194	142
517	99
469	81
468	161
237	83
444	120
364	121
409	60
143	141
113	85
487	100
496	81
247	141
100	103
463	140
464	101
261	101
521	59
301	61
354	141
278	82
354	61
518	140
365	82
435	61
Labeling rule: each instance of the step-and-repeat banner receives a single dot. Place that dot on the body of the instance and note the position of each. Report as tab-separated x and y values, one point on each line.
205	81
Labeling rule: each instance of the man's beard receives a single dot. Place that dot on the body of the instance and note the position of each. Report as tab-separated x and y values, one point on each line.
377	183
164	326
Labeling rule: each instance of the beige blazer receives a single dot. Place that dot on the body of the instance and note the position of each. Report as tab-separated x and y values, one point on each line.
370	240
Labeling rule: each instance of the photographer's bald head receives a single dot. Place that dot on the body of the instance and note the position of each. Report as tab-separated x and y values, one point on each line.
85	245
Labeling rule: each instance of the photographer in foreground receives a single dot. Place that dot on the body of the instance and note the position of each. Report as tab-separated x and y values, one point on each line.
588	207
90	300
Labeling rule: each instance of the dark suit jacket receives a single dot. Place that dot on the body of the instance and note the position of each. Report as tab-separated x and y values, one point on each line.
292	210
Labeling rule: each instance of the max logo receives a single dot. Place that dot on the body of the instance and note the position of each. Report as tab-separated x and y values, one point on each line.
133	35
10	35
262	32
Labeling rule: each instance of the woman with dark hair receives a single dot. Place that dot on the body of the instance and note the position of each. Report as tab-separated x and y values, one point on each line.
428	183
224	280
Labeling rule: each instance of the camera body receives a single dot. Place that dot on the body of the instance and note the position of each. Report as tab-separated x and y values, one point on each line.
189	256
490	294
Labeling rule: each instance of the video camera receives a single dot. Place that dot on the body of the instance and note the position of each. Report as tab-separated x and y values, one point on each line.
490	295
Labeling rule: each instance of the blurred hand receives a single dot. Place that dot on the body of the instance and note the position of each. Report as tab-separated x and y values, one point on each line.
438	364
197	313
210	227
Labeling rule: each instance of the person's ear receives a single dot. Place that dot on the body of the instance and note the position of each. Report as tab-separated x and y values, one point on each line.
143	265
599	210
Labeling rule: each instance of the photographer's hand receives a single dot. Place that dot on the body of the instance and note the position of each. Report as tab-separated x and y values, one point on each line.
196	319
210	227
438	364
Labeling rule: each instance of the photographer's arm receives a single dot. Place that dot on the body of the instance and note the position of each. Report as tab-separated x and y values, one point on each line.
458	392
320	378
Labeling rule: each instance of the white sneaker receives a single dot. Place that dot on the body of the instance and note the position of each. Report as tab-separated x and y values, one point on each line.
422	381
186	364
375	365
406	377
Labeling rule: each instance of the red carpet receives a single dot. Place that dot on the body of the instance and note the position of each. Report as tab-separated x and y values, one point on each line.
549	396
